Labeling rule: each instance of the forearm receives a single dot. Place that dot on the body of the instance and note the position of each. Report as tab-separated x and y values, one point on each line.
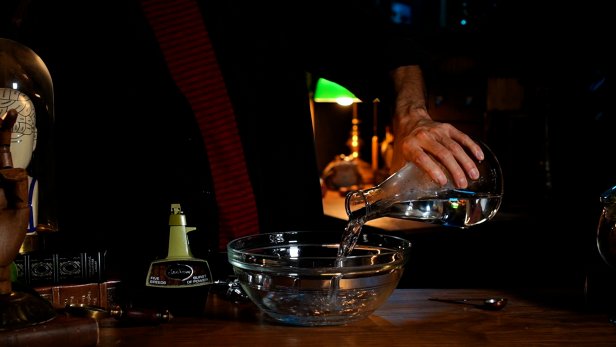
410	96
433	146
410	107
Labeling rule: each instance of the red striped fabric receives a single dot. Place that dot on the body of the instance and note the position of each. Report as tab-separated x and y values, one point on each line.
185	43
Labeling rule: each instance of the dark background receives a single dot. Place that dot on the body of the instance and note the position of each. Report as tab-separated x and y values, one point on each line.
552	134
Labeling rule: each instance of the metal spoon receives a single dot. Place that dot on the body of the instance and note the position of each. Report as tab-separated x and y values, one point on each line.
492	304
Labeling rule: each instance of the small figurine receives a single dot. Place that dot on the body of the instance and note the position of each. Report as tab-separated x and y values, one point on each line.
16	309
23	142
26	90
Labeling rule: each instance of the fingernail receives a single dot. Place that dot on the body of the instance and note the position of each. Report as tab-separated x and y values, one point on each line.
479	156
461	183
474	174
441	179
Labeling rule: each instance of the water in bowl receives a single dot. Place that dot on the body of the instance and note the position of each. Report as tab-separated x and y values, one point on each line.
295	280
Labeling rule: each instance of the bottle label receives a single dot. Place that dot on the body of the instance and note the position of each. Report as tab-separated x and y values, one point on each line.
179	273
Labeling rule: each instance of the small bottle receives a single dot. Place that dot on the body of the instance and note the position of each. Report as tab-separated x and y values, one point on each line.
179	282
410	193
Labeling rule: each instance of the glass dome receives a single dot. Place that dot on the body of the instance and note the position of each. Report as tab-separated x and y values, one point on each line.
26	98
26	86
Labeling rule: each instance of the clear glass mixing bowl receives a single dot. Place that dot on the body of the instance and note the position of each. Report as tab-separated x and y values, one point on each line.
293	278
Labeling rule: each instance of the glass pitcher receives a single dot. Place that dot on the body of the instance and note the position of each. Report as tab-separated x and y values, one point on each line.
606	230
411	194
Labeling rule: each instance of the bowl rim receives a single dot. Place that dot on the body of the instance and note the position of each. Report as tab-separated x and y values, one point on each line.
234	255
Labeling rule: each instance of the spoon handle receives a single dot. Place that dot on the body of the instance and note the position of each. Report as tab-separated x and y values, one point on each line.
484	304
458	301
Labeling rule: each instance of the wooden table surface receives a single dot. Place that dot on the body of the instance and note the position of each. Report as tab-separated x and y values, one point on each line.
408	318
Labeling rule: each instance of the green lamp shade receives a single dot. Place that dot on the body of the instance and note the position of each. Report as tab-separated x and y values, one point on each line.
328	91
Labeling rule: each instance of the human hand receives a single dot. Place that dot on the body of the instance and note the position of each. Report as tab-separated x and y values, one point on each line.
435	146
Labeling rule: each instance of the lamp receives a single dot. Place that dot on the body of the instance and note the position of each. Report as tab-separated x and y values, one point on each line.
328	91
345	171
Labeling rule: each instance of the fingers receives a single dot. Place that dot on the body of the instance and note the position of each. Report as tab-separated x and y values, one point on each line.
427	163
440	148
7	121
